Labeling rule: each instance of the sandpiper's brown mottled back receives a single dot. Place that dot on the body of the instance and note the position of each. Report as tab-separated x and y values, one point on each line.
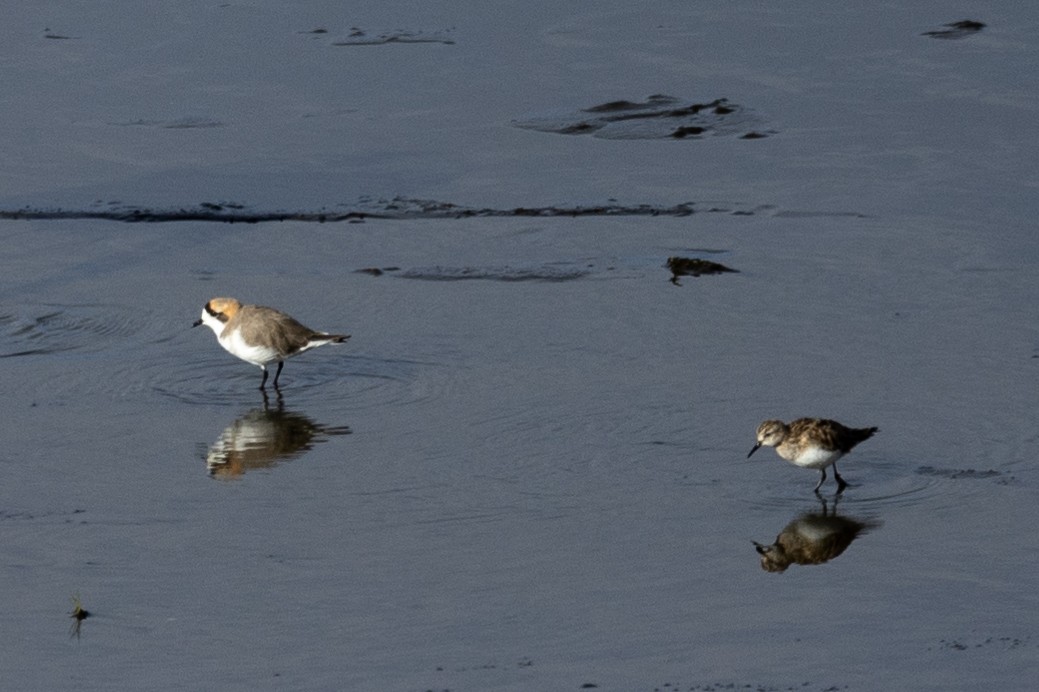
813	443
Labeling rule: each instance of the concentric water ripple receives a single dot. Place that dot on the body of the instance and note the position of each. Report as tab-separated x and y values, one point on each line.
116	351
212	376
53	328
879	486
872	487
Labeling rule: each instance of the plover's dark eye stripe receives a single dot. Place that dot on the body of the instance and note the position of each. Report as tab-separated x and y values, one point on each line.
219	315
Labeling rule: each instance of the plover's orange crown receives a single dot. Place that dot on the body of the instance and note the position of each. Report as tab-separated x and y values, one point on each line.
223	308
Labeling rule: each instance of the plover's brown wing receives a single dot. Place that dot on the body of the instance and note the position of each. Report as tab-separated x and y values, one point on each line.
272	328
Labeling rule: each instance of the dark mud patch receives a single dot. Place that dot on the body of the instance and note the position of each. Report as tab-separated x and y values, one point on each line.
222	206
185	123
552	272
997	643
397	208
658	117
746	687
508	273
519	664
966	474
360	37
376	271
956	30
694	266
66	516
802	214
393	209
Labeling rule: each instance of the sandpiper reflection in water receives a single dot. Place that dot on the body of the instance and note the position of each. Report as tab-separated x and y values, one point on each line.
812	539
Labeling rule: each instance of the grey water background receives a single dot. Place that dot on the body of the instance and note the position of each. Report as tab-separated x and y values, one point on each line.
527	469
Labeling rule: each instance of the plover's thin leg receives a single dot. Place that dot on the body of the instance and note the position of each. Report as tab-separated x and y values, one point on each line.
841	483
281	364
263	382
822	479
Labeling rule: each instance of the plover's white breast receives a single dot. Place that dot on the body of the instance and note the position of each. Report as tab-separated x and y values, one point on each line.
257	354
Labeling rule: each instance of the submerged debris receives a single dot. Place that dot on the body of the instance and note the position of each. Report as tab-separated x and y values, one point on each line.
694	266
658	117
78	615
376	271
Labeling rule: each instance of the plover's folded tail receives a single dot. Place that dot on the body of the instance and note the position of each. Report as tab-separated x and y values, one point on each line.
337	339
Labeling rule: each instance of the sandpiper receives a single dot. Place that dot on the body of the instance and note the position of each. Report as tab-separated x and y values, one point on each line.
813	443
261	335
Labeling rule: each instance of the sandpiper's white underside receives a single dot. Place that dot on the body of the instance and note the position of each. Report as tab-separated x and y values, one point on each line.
814	457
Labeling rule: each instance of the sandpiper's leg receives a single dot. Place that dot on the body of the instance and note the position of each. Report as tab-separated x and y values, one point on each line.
281	364
841	483
263	382
822	479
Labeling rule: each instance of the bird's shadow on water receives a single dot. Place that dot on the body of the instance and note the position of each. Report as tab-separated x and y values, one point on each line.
813	537
264	437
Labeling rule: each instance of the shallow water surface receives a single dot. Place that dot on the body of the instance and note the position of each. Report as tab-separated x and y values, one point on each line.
503	484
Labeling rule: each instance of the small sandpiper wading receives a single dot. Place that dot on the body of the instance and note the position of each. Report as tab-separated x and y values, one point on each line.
812	443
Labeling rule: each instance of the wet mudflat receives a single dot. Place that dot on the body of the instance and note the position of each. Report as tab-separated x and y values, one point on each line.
499	483
527	469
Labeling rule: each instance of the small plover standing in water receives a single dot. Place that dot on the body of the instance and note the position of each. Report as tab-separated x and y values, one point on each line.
812	443
261	335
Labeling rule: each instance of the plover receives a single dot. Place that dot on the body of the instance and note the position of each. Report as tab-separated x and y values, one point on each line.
812	443
261	335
